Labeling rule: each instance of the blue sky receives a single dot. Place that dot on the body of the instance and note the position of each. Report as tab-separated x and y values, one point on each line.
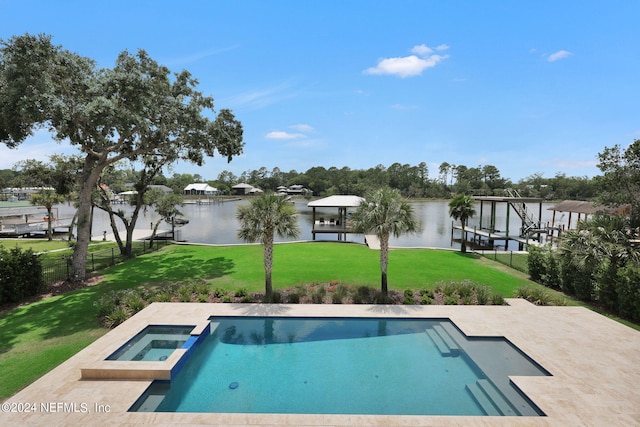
529	87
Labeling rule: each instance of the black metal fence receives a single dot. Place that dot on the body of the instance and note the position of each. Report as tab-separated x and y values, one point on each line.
514	259
55	270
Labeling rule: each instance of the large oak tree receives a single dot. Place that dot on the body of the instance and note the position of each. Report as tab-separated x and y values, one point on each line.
136	108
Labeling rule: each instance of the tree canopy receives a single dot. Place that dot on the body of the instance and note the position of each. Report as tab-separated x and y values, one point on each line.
135	108
620	182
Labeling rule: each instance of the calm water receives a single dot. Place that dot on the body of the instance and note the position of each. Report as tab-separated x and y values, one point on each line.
216	223
342	366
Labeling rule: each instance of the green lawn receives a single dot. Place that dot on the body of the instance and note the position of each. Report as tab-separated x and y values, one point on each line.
231	267
37	337
37	245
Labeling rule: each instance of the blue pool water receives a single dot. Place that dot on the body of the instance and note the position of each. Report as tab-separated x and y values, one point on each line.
153	343
346	366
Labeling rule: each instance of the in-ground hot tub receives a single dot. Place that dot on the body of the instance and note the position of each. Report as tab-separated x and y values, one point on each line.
153	343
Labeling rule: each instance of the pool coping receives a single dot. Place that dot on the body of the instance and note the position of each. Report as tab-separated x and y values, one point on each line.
593	361
142	370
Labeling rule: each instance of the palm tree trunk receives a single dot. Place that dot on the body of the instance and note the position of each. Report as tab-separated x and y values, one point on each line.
268	263
384	262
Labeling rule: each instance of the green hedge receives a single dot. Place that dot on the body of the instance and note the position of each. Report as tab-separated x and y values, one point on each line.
20	275
613	287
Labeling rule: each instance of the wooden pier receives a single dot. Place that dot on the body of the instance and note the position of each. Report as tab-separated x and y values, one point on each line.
38	228
485	235
483	238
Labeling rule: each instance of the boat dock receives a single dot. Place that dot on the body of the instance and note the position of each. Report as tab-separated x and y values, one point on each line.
484	238
38	228
138	234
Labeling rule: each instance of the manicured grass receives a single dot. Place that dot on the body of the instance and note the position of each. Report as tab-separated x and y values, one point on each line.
231	267
519	261
37	337
37	245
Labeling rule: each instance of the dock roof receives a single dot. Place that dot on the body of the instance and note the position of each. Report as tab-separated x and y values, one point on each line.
579	206
337	201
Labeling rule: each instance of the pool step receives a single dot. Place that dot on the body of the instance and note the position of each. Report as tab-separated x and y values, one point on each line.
490	399
482	400
445	343
448	339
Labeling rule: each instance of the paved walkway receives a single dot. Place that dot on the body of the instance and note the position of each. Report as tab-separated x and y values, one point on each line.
138	234
372	241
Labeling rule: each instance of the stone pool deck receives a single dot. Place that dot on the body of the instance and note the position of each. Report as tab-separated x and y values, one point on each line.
594	362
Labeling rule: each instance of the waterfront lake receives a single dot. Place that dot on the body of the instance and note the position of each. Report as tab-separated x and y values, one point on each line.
217	223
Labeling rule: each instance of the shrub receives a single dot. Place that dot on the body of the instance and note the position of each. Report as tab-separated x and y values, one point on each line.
544	265
408	297
497	299
536	296
106	304
164	296
342	291
184	293
482	294
275	298
364	292
450	300
118	315
629	292
380	298
133	300
20	274
465	289
318	295
536	263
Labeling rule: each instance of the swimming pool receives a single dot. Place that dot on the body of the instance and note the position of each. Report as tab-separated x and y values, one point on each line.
346	366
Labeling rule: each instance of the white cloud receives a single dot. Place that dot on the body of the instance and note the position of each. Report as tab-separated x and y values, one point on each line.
442	47
284	135
302	128
409	66
421	50
561	54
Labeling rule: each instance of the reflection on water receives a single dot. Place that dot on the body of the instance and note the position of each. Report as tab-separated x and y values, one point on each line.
217	223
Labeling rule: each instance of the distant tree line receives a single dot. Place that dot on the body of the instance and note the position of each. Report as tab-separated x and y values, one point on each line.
411	181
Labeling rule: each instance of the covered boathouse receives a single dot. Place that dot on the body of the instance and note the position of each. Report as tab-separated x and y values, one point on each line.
529	209
337	223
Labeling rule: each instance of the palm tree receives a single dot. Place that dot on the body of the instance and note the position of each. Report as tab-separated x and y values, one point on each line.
47	198
461	208
383	213
267	215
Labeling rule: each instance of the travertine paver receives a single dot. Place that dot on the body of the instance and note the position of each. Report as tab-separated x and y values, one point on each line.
593	360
